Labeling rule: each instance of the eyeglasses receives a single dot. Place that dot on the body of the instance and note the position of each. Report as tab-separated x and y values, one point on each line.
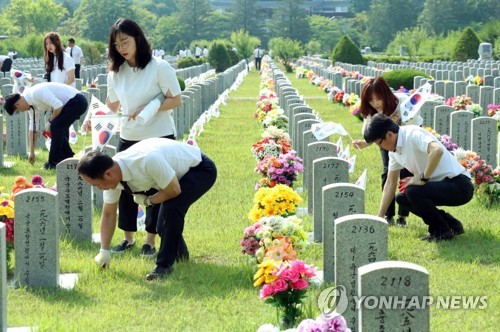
123	45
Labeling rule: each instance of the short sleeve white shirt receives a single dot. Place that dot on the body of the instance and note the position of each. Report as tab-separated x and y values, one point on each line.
61	76
197	51
77	54
152	164
137	87
45	97
411	153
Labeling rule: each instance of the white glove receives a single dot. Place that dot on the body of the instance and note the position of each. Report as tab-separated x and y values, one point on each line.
103	258
140	199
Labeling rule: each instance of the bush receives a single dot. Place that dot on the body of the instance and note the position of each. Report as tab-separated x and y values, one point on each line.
189	61
402	77
233	57
346	51
466	47
218	57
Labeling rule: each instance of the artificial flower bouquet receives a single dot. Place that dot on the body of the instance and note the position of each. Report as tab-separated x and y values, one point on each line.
276	118
7	217
275	133
282	169
354	110
486	180
280	200
475	108
274	237
494	112
350	99
459	102
264	106
339	97
284	286
271	146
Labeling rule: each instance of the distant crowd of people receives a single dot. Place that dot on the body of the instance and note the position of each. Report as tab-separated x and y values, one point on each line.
198	52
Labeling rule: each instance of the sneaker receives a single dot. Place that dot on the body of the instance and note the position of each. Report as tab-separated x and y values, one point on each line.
159	273
446	236
401	222
390	221
124	245
147	251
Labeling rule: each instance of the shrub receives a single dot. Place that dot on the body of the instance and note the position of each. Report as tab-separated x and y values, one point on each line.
233	57
466	47
402	77
181	83
189	62
346	51
218	57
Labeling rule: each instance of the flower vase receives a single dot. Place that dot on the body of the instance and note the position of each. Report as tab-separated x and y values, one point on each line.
289	316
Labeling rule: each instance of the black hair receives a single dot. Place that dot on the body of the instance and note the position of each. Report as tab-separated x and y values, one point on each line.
94	164
143	53
10	101
378	128
71	40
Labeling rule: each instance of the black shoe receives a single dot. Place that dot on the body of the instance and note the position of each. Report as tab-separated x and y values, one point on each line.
48	166
401	222
390	221
445	236
458	230
147	251
159	273
455	224
122	247
182	252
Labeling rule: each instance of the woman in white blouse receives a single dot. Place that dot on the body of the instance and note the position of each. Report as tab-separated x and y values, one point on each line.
58	64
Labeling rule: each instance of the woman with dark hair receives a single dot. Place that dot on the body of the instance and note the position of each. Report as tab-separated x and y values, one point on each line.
59	65
146	91
378	98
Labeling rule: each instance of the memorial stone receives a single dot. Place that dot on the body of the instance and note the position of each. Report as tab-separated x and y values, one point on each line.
315	150
460	125
442	119
484	139
303	124
472	91
427	112
485	98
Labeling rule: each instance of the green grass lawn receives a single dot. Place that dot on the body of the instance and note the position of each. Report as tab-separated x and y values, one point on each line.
213	291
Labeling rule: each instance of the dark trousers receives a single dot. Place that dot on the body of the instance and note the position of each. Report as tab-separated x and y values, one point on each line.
423	201
170	224
391	210
127	217
257	63
59	128
77	71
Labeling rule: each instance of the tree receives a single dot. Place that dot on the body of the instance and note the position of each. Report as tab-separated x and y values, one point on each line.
245	15
244	43
357	6
95	17
313	47
290	21
159	8
411	39
217	26
168	34
327	32
466	47
285	50
346	51
192	14
218	57
24	17
383	22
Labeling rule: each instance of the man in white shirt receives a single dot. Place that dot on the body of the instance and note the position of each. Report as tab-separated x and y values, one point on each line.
197	51
77	54
188	52
155	171
205	52
65	103
439	178
258	53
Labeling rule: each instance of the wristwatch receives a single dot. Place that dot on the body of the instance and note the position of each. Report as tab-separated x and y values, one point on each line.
422	177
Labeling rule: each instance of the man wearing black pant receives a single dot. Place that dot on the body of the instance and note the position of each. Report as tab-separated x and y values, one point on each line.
439	178
178	173
65	104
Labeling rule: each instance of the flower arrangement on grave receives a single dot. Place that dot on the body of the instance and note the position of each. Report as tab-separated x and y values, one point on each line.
267	94
267	83
486	180
276	134
7	217
264	106
276	238
276	118
474	80
284	286
475	108
20	183
339	97
326	86
279	200
301	72
316	80
350	99
354	110
270	146
321	324
448	143
282	169
459	102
